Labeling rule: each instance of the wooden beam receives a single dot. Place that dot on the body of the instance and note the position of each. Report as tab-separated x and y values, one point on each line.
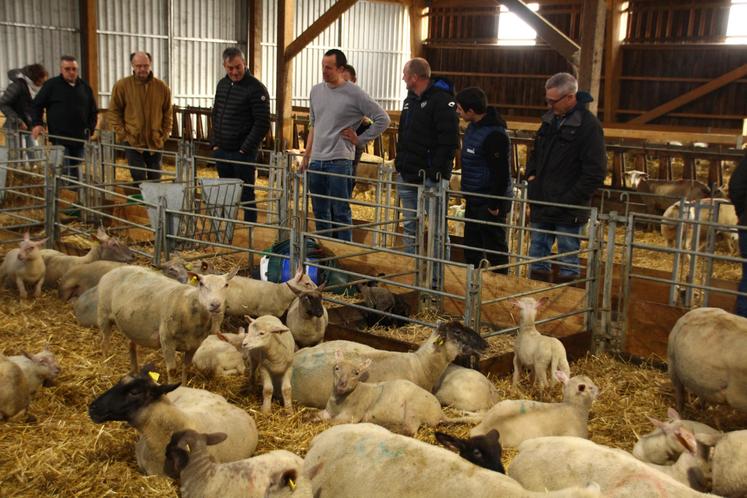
89	45
324	21
415	11
283	90
692	95
549	33
592	49
254	40
613	62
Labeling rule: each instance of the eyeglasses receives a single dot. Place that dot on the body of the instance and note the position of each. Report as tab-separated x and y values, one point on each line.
555	101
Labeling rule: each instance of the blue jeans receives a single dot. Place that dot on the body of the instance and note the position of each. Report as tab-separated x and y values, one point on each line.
244	172
337	211
742	300
408	194
541	243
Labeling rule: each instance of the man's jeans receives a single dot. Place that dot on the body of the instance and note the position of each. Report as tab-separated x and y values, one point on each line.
541	246
742	300
331	213
244	172
408	193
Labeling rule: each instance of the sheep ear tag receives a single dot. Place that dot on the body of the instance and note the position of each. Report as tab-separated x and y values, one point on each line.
291	484
193	280
155	376
439	341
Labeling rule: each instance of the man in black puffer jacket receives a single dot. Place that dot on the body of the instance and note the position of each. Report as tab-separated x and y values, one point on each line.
567	165
241	118
427	139
738	196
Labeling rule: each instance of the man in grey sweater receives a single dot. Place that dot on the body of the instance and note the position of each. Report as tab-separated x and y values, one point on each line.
335	111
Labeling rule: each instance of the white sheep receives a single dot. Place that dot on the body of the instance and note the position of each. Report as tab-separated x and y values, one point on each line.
15	395
157	411
307	318
220	354
109	248
693	466
24	265
248	296
199	476
534	350
398	405
312	367
519	420
366	460
155	311
549	463
727	216
705	355
40	369
465	389
728	457
271	347
80	278
662	446
85	307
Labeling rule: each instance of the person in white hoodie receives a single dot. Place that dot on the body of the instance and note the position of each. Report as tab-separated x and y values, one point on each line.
15	102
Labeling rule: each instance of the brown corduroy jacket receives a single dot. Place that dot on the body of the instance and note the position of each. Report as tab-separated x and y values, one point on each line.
140	112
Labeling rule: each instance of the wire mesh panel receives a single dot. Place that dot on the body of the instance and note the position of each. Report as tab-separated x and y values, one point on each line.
219	198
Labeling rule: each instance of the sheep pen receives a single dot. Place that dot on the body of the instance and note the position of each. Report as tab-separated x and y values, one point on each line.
63	453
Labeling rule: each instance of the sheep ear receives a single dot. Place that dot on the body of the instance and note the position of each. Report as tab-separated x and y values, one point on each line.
562	377
299	273
166	388
27	355
672	413
249	319
658	423
242	330
26	236
709	439
542	303
687	440
231	274
493	436
101	234
322	287
41	242
450	442
338	355
193	278
365	365
215	438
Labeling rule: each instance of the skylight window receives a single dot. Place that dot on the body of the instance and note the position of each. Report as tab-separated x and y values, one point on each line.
514	31
736	28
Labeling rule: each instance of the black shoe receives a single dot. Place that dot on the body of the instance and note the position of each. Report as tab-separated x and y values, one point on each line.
541	275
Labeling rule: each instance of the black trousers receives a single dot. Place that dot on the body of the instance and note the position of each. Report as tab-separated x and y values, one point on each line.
481	236
244	172
151	161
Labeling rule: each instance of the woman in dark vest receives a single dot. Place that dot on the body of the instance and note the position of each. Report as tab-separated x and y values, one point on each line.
486	152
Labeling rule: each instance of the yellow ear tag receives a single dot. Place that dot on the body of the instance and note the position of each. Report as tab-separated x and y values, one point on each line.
154	375
193	280
439	341
188	266
292	484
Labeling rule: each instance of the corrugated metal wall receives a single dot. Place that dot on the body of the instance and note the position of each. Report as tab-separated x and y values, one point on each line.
375	36
37	31
185	37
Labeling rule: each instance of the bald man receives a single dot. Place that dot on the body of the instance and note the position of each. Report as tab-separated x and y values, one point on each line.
140	115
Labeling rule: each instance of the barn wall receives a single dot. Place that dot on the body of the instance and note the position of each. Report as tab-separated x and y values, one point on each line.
670	47
37	31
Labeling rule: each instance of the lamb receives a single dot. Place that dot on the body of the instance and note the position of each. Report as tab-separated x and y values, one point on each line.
247	296
398	405
158	411
382	299
533	350
15	395
726	216
86	307
519	420
632	178
312	367
80	278
367	460
307	317
662	446
693	467
271	347
549	463
178	320
109	248
40	369
705	355
484	451
24	265
188	461
465	389
220	354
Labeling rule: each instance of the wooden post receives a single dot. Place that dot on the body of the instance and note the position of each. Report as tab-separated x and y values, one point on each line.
592	48
613	63
254	40
283	95
89	45
415	11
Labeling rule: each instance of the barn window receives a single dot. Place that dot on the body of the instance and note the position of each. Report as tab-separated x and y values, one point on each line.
736	29
514	31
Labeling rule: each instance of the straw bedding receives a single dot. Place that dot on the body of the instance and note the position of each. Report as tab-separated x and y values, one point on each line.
63	453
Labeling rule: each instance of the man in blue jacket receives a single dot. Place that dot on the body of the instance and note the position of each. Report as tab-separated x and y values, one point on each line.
486	152
738	197
427	140
241	118
567	165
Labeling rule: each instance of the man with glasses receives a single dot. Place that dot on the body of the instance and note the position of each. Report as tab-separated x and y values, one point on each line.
140	115
566	166
71	112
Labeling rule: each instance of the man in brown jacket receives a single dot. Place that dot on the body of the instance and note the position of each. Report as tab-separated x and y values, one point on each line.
140	115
